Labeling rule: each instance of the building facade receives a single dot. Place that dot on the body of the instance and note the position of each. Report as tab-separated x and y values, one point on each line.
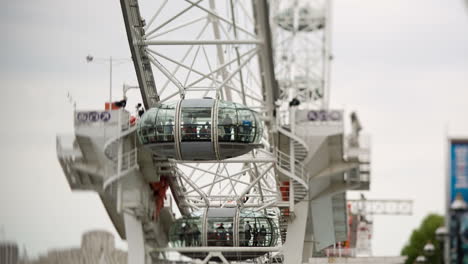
8	253
97	247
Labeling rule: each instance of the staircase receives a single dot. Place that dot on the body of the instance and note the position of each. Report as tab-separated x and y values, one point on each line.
124	163
296	173
127	161
283	223
295	170
111	148
294	167
300	150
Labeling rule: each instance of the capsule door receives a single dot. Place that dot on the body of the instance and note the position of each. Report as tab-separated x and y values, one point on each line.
195	129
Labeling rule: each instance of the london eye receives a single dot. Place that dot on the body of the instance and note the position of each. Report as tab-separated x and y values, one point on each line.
237	132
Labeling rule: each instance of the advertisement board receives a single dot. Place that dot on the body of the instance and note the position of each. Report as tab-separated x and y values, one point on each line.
458	169
458	186
328	116
92	116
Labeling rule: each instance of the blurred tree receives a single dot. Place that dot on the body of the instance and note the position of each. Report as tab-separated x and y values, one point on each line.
424	234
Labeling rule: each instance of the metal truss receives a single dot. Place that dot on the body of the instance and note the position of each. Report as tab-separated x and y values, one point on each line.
202	48
217	49
301	41
251	185
225	49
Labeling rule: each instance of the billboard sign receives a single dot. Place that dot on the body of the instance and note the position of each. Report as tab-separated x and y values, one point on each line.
95	118
320	116
458	186
458	169
92	116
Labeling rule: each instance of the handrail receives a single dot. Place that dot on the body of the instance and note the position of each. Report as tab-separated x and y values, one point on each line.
284	163
111	141
340	252
128	159
294	137
129	162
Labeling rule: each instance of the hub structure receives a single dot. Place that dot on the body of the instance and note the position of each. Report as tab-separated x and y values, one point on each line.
237	132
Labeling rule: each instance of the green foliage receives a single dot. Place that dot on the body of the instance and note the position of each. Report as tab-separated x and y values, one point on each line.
422	235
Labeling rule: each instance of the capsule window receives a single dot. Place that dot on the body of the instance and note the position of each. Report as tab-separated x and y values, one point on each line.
220	232
254	232
245	232
215	228
235	124
227	124
246	126
165	125
196	124
264	233
186	233
147	130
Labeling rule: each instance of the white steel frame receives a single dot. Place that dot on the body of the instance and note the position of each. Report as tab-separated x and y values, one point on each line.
224	49
189	60
218	49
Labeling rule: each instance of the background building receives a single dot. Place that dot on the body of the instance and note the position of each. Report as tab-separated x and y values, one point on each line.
97	247
8	253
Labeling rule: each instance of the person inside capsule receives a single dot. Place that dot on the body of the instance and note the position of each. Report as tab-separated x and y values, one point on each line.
214	227
262	236
188	235
169	131
245	236
221	235
227	125
196	236
205	131
255	230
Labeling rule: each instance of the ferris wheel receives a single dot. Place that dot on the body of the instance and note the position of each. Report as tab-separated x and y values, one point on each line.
231	90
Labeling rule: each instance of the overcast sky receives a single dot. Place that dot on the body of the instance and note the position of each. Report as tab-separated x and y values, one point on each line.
401	64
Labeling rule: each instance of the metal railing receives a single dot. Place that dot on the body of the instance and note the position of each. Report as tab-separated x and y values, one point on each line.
128	160
126	128
284	162
340	252
357	147
284	191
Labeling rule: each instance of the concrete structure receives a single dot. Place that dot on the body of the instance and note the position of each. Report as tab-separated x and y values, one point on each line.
97	247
